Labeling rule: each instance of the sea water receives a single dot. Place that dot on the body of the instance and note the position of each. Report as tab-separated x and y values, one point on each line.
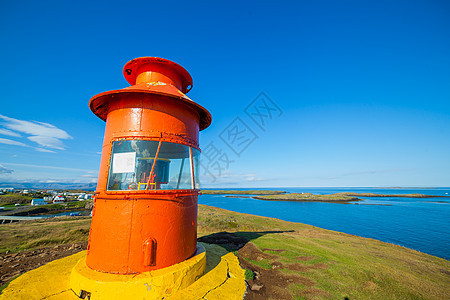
422	224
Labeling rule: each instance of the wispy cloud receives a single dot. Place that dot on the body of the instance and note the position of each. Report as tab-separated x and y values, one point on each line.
9	132
44	134
47	141
88	176
231	178
48	167
11	142
17	143
49	183
4	170
44	150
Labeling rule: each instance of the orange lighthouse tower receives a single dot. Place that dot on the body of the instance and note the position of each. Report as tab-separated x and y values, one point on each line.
145	210
145	213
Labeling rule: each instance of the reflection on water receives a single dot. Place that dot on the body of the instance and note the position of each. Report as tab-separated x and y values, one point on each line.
417	223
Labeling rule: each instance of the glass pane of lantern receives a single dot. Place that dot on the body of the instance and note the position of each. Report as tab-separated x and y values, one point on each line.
196	159
132	162
179	170
127	164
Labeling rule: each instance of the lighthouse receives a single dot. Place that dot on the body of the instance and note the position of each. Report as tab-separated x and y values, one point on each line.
145	210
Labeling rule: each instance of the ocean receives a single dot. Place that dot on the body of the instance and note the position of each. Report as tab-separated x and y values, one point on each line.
421	224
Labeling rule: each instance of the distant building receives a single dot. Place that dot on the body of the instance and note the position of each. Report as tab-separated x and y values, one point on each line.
58	199
85	197
38	202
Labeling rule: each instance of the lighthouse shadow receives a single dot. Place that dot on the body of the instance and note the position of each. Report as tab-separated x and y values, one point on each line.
233	241
230	242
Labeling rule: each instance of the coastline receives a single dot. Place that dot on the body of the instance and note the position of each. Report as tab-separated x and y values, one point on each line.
420	224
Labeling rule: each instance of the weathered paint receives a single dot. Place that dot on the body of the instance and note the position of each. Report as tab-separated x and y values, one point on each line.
146	285
224	279
153	108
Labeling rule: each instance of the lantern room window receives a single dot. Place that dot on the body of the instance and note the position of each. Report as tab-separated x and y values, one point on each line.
152	165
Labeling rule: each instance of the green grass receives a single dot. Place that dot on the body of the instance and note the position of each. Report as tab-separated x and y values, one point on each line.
30	235
13	205
341	265
249	274
264	263
13	198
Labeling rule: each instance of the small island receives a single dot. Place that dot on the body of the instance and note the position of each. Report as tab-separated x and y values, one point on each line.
308	197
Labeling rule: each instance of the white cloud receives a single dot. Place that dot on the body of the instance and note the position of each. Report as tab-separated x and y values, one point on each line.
4	170
44	134
92	178
11	142
9	132
16	143
47	141
48	167
230	178
89	176
44	150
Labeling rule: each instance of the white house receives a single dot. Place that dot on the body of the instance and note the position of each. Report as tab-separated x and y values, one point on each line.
38	202
85	197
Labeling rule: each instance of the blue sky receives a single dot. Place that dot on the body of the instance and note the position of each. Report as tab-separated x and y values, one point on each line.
357	91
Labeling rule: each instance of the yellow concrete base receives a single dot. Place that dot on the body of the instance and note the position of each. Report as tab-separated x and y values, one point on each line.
223	279
148	285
